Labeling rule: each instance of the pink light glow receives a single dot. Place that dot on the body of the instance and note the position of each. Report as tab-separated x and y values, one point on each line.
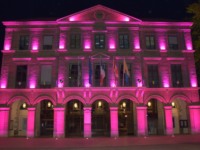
72	19
137	47
32	86
168	120
113	85
127	57
194	85
189	47
74	57
112	50
46	58
162	47
30	122
112	46
61	47
7	47
87	121
114	121
126	19
166	85
139	84
59	122
87	85
99	30
141	120
61	50
4	117
16	59
3	86
60	85
35	47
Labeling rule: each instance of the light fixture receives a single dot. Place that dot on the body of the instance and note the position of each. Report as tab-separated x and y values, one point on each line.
124	104
126	116
99	104
49	104
173	104
75	105
24	105
149	104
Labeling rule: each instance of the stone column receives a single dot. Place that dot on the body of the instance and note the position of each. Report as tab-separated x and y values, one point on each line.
142	120
168	120
30	122
4	117
195	118
87	121
114	132
59	121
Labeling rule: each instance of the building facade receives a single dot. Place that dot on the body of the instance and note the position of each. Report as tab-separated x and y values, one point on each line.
45	88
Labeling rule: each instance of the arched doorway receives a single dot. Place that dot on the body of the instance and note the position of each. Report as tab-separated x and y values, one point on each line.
100	118
46	118
74	119
18	118
180	116
155	117
125	118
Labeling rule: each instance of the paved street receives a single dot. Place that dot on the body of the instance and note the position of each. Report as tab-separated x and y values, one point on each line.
182	142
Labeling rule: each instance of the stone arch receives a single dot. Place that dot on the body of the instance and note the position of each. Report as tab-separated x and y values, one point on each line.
67	99
106	98
181	96
18	97
155	96
44	97
130	97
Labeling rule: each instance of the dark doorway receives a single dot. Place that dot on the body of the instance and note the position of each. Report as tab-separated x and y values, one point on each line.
74	119
46	118
100	118
125	118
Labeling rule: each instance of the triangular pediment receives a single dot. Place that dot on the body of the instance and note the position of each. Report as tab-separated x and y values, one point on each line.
98	13
100	55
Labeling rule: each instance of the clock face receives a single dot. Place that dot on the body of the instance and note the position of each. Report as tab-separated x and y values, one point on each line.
99	15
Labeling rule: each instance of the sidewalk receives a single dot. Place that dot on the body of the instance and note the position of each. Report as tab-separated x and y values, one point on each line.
100	143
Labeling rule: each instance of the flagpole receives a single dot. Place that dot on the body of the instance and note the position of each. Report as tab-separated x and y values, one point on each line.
113	70
123	71
100	70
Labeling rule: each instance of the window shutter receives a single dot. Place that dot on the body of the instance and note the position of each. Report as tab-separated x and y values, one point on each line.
46	71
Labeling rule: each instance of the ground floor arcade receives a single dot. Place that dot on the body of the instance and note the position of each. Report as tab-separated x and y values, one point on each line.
99	114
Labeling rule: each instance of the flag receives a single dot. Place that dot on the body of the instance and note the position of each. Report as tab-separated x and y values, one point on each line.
90	72
115	70
44	83
127	75
79	74
102	73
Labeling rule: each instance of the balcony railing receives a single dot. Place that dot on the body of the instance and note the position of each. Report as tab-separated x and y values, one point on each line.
20	85
97	83
125	84
74	83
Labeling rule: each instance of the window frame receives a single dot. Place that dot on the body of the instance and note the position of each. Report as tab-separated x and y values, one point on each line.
24	43
23	83
47	85
173	44
76	80
150	42
104	43
43	42
75	41
121	34
152	71
180	82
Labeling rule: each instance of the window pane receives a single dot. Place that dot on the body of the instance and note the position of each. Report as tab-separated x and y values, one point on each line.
48	40
46	71
173	40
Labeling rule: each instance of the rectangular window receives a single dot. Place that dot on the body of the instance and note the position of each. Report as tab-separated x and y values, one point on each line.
47	42
121	75
24	43
150	44
97	75
73	75
99	41
183	124
153	76
173	120
75	40
24	127
176	76
173	42
46	71
123	41
21	76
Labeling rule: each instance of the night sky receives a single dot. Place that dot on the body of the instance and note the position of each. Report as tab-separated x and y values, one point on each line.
13	10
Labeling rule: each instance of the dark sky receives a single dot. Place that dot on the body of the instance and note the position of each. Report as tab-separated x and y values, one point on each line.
11	10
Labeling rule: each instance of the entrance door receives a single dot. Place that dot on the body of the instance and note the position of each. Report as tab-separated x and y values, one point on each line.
22	125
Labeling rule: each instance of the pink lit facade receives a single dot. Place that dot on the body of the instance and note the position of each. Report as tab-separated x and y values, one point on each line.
170	45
